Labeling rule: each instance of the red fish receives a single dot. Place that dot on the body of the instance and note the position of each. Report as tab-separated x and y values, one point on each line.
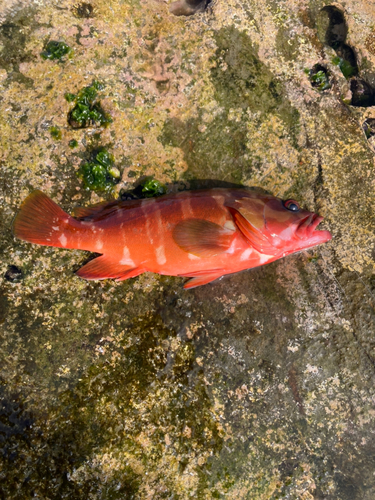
197	234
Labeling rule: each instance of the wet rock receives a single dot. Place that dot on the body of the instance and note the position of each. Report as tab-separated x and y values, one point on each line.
188	7
258	386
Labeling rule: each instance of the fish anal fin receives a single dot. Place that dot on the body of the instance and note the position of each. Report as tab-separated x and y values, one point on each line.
202	238
202	279
104	267
253	235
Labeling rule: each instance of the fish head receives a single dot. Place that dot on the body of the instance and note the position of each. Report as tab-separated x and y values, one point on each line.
278	227
290	228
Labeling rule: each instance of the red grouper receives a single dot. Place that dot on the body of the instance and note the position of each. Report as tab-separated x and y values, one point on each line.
197	234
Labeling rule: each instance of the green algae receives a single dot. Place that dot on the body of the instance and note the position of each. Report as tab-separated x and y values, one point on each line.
73	143
54	50
347	69
87	110
319	78
152	188
99	174
55	133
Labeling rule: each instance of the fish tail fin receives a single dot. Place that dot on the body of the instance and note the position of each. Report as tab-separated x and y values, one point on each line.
40	220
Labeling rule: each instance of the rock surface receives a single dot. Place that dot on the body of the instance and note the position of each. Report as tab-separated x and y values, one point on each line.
258	386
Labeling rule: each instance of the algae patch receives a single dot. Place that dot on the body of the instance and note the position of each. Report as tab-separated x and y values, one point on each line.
100	173
87	110
56	51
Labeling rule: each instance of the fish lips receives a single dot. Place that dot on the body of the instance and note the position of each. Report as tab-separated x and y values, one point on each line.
306	230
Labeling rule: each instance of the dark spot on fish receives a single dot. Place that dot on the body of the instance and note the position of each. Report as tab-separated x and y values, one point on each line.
13	274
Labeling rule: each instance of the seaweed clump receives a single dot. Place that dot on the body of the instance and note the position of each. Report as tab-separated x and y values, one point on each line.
55	51
100	174
147	188
347	69
87	110
319	77
152	187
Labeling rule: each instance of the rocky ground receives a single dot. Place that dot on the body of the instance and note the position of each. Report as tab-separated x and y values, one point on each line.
258	386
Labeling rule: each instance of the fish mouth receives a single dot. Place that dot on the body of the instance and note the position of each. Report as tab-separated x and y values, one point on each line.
307	229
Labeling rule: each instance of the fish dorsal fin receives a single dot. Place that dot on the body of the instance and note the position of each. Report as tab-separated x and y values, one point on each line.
83	212
104	209
202	238
104	267
253	235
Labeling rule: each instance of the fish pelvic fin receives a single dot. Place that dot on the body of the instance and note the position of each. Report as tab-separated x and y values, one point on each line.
104	267
40	220
199	278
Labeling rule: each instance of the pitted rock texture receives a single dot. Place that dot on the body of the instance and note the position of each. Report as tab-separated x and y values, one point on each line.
260	385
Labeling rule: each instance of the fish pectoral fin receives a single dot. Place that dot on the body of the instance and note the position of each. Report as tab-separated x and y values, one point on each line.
202	238
254	236
104	267
202	279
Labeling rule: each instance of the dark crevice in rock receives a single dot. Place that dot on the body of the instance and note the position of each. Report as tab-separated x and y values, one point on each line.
319	77
337	29
188	7
362	93
83	10
13	274
333	31
368	127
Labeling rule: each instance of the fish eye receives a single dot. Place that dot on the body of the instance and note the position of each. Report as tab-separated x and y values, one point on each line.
291	205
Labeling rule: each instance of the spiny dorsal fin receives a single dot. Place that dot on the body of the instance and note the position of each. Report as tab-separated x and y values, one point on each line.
104	209
202	238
